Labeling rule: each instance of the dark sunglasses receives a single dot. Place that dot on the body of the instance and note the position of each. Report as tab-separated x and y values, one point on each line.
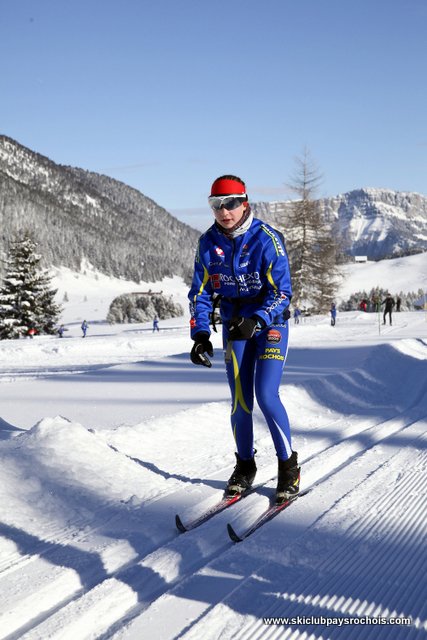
227	202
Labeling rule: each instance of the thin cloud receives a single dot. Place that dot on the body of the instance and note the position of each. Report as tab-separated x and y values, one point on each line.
269	191
130	167
196	211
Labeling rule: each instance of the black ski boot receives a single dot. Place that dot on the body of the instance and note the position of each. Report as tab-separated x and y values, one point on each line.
288	478
242	477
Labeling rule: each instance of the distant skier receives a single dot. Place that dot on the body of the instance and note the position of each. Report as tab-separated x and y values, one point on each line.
84	328
61	331
333	312
398	303
156	324
389	304
297	313
375	304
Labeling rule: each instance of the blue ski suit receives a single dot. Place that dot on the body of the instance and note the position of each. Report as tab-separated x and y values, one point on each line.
251	275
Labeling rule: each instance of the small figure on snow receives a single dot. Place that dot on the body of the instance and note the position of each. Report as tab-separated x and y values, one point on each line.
155	324
255	314
333	312
389	304
61	330
297	313
84	328
32	331
398	303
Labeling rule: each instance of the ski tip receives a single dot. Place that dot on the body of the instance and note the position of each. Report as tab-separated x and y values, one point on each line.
233	535
179	525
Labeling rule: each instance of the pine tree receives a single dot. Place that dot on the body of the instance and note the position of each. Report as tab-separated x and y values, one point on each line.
26	297
310	242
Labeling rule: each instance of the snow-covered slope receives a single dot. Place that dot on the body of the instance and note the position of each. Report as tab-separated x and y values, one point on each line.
90	293
408	274
104	439
76	216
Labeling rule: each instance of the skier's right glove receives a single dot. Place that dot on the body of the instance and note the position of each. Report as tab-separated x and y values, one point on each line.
202	345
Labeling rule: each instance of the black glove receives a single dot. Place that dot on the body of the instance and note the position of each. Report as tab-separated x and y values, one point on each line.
242	328
202	345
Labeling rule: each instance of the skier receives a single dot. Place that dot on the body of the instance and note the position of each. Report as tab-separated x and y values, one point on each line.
333	312
244	261
156	324
363	305
84	328
297	313
61	331
389	304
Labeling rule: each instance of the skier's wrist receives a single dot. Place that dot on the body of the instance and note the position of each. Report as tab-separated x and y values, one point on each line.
261	324
201	336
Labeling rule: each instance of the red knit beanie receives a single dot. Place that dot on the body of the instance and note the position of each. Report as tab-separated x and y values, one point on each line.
227	186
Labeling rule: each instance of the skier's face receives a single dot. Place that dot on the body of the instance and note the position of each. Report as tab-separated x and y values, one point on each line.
228	219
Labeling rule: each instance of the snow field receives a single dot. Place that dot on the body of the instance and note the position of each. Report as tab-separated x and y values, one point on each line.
127	433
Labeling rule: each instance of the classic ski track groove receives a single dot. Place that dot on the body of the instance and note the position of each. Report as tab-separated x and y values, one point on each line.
59	535
76	599
344	570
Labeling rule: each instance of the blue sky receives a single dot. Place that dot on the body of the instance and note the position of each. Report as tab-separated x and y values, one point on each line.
167	95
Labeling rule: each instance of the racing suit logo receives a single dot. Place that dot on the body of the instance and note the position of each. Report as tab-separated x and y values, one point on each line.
216	280
274	336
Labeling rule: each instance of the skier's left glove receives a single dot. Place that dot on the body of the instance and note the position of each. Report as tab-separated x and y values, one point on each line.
243	328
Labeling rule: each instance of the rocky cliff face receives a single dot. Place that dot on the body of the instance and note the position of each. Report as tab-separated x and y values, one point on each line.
379	223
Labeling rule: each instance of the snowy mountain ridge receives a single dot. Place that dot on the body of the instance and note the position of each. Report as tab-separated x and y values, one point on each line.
379	223
79	216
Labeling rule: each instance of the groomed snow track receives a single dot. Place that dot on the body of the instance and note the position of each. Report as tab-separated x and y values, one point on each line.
353	547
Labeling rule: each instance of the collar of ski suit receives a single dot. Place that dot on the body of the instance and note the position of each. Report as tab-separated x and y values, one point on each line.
240	228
